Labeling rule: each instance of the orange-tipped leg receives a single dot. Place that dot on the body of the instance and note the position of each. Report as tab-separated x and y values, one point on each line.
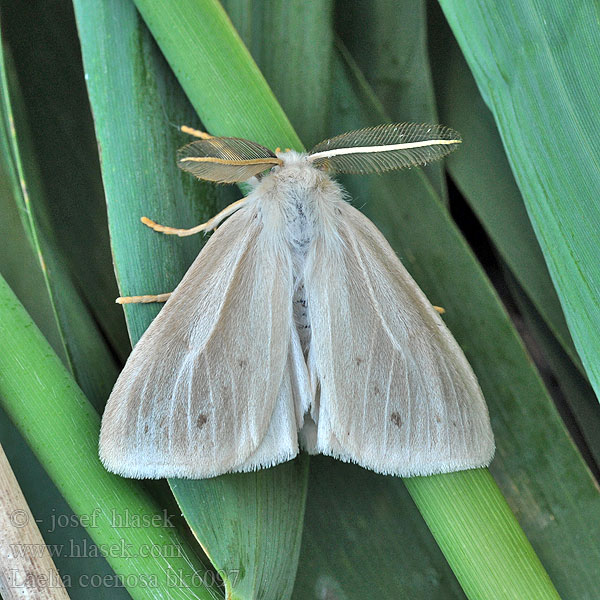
143	299
208	226
173	230
195	132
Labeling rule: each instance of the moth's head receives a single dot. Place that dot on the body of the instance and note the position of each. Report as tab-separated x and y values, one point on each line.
295	171
295	165
291	158
371	150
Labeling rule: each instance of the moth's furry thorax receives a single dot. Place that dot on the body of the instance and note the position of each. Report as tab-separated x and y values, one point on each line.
297	197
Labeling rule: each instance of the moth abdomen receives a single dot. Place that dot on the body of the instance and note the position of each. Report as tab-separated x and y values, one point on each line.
302	316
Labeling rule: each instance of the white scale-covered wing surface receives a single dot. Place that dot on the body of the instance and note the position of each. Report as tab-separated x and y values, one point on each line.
206	389
397	394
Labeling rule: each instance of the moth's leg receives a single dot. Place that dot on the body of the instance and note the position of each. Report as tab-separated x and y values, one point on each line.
143	299
195	132
439	309
210	224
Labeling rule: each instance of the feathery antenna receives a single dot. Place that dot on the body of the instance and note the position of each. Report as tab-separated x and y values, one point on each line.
385	147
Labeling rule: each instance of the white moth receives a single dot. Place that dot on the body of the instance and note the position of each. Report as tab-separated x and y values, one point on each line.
297	326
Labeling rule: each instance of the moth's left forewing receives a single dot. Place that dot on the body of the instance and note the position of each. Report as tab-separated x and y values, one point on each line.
397	394
207	390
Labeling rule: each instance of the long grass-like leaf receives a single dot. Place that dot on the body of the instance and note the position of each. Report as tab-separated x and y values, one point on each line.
43	41
62	428
482	173
35	263
533	66
82	343
21	268
196	36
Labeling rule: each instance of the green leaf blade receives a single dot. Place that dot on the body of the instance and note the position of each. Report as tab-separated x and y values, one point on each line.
476	546
54	125
62	429
258	529
544	101
482	173
80	341
197	34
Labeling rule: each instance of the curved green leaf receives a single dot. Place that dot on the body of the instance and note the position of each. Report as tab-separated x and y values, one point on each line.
253	546
81	342
21	266
482	173
44	45
231	96
388	41
533	66
61	426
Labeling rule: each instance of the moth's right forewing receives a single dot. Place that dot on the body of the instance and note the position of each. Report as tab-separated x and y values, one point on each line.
397	393
204	387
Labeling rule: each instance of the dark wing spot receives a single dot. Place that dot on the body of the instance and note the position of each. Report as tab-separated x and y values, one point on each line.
201	421
358	361
242	363
396	420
